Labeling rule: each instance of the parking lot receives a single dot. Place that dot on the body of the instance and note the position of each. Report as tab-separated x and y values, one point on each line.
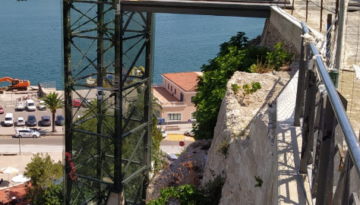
10	130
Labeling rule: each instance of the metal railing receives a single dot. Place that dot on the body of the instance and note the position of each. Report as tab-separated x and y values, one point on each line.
324	158
173	103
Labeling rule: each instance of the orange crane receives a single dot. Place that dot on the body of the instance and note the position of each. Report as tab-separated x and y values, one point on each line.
16	83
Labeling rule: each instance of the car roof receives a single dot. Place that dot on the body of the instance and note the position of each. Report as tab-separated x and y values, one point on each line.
31	116
173	156
45	117
76	100
20	118
26	129
1	106
22	129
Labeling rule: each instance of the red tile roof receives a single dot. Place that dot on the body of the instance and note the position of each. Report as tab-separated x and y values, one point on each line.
186	80
18	191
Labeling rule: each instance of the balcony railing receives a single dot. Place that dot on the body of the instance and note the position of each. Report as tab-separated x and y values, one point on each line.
330	154
174	103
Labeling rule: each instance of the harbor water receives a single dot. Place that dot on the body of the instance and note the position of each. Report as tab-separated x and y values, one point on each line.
31	46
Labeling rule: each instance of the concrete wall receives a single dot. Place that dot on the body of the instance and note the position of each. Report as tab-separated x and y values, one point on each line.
288	29
282	27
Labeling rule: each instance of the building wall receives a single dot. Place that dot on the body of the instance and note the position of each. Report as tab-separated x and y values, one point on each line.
186	110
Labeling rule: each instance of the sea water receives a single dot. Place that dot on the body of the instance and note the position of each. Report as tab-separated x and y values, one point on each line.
31	46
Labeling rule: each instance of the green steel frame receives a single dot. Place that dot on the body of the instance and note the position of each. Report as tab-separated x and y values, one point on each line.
107	58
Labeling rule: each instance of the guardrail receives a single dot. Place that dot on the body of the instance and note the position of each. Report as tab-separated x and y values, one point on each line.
175	103
328	163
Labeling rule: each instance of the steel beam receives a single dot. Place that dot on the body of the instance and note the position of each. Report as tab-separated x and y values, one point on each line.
240	9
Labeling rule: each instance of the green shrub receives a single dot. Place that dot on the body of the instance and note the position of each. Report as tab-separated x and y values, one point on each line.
234	55
249	90
259	181
223	148
209	194
261	67
235	88
279	57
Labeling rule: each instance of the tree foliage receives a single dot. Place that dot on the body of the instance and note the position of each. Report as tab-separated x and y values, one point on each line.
43	171
188	194
234	55
278	57
54	195
53	102
90	148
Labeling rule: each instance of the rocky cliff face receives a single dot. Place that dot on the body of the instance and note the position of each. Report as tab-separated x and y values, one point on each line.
244	148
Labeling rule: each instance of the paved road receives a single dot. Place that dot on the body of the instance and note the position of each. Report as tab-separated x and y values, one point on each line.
53	140
42	144
171	144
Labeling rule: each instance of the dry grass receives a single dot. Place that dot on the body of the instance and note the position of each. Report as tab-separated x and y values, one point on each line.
261	67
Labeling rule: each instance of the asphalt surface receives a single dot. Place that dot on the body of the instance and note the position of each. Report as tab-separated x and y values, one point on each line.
10	130
53	141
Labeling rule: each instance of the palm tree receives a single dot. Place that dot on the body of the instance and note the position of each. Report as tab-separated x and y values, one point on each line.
53	102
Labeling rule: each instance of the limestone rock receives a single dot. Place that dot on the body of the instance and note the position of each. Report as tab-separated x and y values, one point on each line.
248	131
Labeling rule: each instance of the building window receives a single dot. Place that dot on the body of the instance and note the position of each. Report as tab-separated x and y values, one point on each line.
193	115
168	87
171	89
181	97
192	99
175	91
174	116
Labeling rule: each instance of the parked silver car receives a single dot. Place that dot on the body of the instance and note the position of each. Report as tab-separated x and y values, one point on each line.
45	120
26	132
42	105
20	121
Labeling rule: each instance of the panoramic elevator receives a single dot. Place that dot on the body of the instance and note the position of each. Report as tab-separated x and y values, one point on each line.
107	140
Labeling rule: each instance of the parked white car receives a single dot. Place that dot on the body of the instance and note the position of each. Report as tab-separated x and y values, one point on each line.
30	105
26	132
20	121
20	106
163	132
9	119
171	158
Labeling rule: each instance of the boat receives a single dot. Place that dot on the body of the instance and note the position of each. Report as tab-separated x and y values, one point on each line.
91	81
